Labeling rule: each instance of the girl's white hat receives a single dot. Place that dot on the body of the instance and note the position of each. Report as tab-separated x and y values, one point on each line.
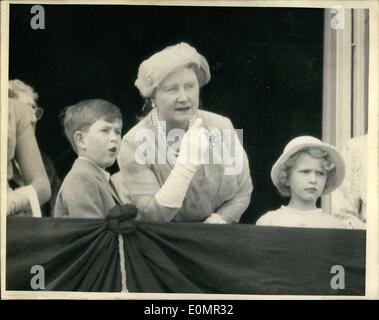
304	142
155	69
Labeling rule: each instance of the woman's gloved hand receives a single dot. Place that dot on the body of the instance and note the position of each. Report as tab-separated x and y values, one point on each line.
194	146
17	201
215	218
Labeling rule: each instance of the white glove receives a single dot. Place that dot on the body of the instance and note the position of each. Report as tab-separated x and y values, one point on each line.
193	147
23	199
16	202
215	218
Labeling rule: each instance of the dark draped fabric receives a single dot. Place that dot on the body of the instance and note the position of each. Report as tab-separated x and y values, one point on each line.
83	255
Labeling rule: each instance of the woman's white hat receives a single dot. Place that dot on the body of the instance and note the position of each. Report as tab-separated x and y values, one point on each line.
155	69
301	143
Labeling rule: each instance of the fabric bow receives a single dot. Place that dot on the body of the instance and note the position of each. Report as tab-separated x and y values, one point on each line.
121	219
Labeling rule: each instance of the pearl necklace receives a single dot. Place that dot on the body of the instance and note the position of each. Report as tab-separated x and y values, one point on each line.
212	136
160	130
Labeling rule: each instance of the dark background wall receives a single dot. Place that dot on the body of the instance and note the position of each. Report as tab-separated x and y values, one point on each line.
266	66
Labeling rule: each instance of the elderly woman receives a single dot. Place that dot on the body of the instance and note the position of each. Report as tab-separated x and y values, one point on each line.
24	162
159	174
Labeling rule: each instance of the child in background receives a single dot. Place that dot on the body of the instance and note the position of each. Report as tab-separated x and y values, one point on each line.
307	169
93	128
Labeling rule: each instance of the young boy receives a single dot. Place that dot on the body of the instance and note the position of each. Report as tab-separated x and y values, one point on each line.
307	169
93	128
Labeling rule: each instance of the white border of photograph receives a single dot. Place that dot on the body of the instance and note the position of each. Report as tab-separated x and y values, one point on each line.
372	242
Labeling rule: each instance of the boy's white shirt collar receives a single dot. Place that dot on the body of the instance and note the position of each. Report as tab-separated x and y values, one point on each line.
106	173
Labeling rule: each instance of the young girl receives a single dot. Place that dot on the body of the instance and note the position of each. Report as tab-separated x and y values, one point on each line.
307	169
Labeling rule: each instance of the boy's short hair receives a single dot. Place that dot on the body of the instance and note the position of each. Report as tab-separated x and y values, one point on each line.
286	167
85	113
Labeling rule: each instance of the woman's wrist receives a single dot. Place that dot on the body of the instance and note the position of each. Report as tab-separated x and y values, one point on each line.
186	169
173	191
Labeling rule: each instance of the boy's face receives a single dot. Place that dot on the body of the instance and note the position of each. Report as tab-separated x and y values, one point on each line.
307	180
101	143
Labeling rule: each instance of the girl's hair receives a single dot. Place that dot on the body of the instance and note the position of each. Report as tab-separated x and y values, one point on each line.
287	167
17	87
23	92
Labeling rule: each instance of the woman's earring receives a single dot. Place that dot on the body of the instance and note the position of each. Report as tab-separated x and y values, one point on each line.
153	104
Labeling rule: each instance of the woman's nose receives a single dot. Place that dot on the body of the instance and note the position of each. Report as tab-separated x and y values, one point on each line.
183	96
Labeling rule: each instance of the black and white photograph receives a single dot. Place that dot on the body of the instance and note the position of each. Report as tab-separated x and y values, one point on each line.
224	148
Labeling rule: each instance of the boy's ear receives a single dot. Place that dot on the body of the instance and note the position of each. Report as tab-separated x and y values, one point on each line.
80	140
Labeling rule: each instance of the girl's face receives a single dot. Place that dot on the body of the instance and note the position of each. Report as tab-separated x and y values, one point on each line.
307	180
177	98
